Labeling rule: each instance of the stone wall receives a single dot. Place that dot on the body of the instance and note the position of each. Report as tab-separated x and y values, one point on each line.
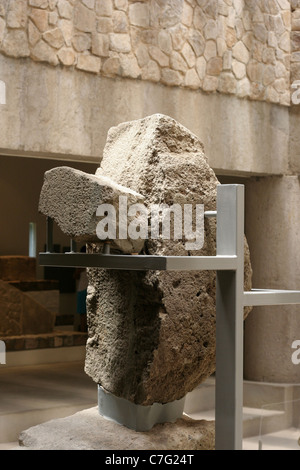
295	41
239	47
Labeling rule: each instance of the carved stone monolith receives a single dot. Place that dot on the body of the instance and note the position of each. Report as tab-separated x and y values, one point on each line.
152	334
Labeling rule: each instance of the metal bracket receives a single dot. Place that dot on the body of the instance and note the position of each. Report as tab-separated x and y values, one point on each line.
230	301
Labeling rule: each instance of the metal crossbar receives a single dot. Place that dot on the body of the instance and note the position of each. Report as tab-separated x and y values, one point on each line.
230	300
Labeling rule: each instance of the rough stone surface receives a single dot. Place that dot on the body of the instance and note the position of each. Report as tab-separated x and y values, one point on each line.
158	328
87	430
71	197
20	314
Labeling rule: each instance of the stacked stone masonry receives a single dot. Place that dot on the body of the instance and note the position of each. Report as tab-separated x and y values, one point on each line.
240	47
295	41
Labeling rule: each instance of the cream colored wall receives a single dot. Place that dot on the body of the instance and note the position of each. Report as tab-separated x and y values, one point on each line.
66	114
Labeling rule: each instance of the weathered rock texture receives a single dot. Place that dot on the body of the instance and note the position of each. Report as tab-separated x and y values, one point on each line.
22	315
87	430
71	197
234	47
152	334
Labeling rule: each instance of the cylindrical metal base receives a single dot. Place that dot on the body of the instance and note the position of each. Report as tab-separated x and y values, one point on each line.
137	417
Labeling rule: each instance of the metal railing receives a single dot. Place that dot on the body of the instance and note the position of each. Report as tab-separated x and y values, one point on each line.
230	300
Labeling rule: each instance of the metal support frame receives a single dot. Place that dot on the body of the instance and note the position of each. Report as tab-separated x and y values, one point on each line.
230	300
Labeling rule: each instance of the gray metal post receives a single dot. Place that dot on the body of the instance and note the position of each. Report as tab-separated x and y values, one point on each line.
229	324
49	235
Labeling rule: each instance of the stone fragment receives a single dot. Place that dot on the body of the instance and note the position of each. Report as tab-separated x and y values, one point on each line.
100	44
44	53
54	37
104	25
139	14
53	18
160	57
71	197
200	19
86	430
243	88
268	75
112	66
104	7
210	50
120	22
197	42
129	66
210	83
166	325
84	19
214	66
151	71
22	315
170	14
66	27
121	4
2	29
66	56
211	30
165	42
201	67
38	3
189	55
285	42
241	53
89	3
65	10
177	62
40	19
192	79
142	55
17	14
119	42
227	60
179	35
227	83
187	14
33	34
238	69
171	77
82	42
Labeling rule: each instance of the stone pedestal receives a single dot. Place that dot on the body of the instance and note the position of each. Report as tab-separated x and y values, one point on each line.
273	229
87	430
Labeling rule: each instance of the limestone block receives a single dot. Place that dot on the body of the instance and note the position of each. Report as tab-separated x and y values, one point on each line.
40	18
156	328
88	63
54	37
43	52
22	315
71	197
84	18
87	430
17	14
66	55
